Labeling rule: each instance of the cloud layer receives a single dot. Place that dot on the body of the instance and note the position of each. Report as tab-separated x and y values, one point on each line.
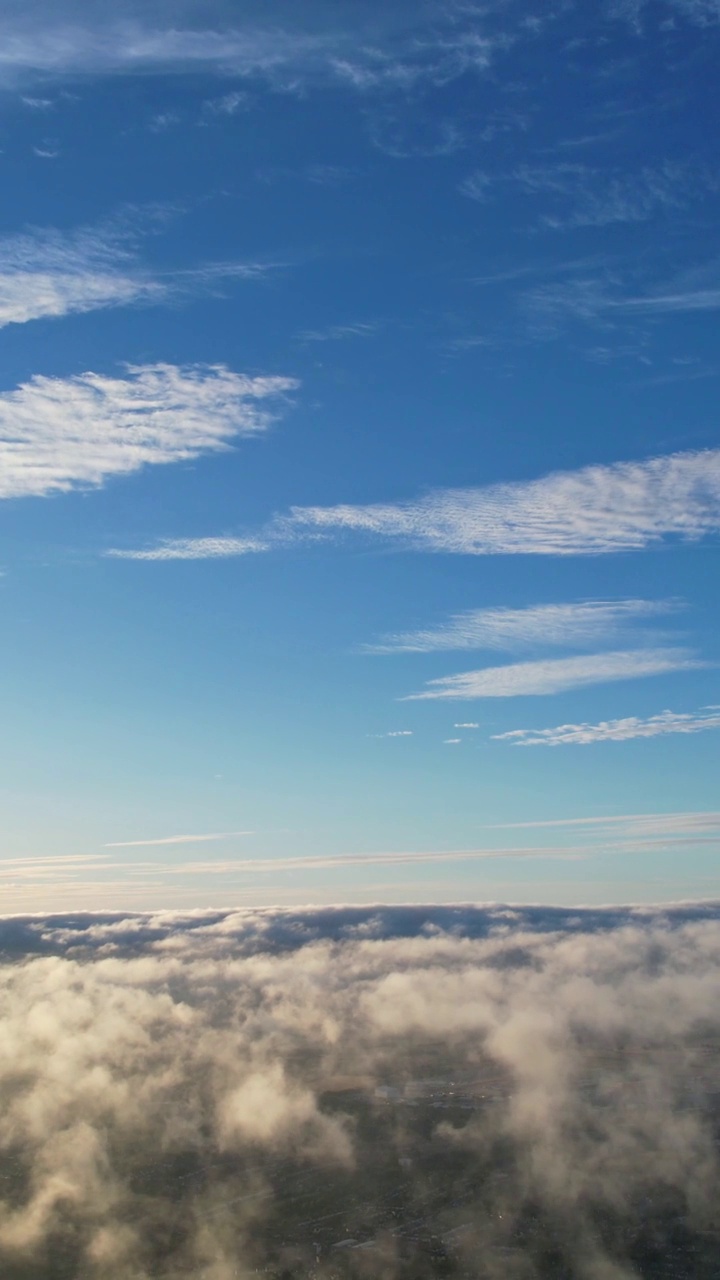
362	1093
58	434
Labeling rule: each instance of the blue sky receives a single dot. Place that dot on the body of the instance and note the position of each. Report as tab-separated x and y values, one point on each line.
359	463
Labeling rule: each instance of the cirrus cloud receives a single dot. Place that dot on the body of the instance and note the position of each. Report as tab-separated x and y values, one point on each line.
598	509
58	434
555	675
615	730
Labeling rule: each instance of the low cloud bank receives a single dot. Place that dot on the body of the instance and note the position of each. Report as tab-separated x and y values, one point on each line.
370	1092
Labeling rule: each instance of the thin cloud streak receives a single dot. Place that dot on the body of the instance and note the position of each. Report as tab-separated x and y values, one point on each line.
213	835
338	861
692	820
614	730
193	549
573	625
556	675
58	434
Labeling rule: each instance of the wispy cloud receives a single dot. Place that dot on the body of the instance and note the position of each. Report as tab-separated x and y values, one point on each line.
578	625
599	509
46	273
556	675
335	332
58	434
193	549
337	861
227	104
394	733
596	198
467	724
582	196
615	730
200	839
688	300
364	56
635	823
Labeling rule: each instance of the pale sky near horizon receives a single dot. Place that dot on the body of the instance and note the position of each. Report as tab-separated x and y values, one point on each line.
359	460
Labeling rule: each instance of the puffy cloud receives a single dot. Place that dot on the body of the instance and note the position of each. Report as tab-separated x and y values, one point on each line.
359	1092
58	434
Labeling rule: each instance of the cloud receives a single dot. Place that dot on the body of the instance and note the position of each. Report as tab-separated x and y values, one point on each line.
383	858
362	52
624	506
577	625
451	742
394	733
689	300
221	1093
582	196
467	724
214	835
58	434
336	332
556	675
193	549
645	823
615	730
46	273
228	104
598	198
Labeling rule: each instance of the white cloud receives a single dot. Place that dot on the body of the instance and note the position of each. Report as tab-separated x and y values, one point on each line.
574	625
467	724
598	198
451	742
364	54
598	509
330	862
394	733
556	675
646	823
213	835
46	273
615	730
193	549
228	104
335	332
58	434
689	300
